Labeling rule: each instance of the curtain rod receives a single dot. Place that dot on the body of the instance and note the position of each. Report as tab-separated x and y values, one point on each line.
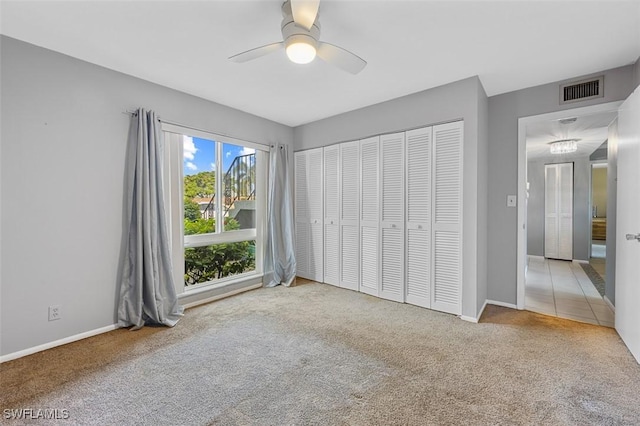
173	123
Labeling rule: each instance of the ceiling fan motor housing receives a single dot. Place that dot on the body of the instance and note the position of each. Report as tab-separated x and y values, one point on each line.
292	33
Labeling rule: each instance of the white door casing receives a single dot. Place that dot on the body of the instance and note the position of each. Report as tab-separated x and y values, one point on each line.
627	298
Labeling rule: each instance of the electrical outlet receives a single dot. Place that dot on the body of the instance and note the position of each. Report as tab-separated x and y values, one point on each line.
511	200
54	312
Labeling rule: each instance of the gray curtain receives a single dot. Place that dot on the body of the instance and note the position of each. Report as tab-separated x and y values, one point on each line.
147	292
280	259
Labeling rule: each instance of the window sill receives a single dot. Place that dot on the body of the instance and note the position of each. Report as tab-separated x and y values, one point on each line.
208	293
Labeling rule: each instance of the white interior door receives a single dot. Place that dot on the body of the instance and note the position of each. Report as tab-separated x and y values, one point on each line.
302	215
447	218
551	211
349	215
315	213
331	215
565	211
369	216
392	285
627	318
418	160
558	207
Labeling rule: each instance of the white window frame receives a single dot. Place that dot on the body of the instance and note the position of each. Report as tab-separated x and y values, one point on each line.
174	204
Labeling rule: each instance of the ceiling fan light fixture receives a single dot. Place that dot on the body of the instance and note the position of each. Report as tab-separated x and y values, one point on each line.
564	146
300	49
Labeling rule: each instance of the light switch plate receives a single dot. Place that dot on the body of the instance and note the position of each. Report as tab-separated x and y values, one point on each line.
511	200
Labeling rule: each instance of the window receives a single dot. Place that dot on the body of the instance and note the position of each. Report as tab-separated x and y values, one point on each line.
216	202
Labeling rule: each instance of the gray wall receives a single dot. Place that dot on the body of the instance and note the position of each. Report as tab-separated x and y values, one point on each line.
464	99
504	111
63	144
535	208
612	201
581	208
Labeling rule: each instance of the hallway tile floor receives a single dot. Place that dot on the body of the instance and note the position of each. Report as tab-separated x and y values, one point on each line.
562	289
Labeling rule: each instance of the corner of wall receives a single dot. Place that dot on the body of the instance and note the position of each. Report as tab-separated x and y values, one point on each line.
483	195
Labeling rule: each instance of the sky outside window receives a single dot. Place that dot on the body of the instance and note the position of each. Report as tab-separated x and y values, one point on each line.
199	155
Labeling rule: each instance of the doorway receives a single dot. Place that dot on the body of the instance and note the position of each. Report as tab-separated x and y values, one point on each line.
598	258
553	285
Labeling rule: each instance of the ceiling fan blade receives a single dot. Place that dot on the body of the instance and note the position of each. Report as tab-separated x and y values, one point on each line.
305	12
256	53
341	58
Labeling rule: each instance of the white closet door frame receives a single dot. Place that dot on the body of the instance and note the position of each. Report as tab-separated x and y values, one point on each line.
370	215
392	217
315	204
419	179
332	185
446	235
349	215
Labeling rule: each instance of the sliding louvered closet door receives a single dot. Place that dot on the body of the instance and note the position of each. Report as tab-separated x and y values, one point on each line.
302	216
447	218
392	240
384	216
332	215
369	216
558	209
309	214
418	160
349	215
316	214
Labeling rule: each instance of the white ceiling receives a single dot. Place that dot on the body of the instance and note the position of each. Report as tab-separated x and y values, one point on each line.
409	45
592	130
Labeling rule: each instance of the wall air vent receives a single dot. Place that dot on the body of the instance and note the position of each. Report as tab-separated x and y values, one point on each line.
583	90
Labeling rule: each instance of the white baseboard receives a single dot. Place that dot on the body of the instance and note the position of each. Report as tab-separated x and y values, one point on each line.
608	302
474	319
503	304
90	333
74	338
533	256
580	261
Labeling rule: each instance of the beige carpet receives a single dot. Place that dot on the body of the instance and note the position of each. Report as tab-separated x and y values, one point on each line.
316	354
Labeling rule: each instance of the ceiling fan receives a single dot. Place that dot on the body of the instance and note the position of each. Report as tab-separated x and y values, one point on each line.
301	34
